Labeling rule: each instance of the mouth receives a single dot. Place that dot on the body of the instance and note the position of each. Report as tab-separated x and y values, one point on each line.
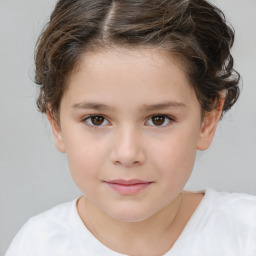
128	187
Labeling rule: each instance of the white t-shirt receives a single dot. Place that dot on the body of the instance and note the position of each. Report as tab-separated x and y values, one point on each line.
224	224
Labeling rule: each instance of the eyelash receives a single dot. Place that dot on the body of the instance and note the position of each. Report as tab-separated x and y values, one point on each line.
89	117
85	120
167	118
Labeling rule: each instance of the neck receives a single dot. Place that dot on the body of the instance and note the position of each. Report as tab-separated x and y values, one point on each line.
134	237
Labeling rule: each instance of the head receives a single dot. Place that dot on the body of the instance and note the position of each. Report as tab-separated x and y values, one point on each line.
171	59
194	32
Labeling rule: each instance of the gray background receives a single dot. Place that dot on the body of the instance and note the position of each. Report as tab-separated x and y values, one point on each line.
34	176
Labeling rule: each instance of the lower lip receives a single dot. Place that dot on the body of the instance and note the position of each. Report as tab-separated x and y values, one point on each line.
130	189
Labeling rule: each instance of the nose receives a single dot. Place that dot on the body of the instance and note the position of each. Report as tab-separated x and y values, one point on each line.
128	148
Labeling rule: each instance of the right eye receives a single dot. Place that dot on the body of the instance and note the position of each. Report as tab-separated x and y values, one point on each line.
95	121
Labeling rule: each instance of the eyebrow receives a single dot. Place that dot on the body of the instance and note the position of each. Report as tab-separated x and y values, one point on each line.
144	107
162	105
92	105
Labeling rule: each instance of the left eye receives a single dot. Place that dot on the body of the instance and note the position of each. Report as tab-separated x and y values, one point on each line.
96	121
159	120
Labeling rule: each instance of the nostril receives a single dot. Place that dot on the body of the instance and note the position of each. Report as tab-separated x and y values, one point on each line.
117	162
127	164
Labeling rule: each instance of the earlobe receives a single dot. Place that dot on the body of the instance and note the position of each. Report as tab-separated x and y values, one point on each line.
56	131
209	126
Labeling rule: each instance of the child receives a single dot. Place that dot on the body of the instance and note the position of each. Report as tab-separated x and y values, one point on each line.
132	89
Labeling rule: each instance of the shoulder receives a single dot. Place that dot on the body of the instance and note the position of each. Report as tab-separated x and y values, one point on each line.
224	211
42	229
235	211
223	224
231	218
237	206
57	217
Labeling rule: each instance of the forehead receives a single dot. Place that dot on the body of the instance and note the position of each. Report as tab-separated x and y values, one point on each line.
141	75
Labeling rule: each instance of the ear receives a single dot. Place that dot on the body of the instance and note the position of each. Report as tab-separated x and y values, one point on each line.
209	126
56	131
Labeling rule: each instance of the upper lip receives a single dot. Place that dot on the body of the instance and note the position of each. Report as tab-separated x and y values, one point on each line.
128	182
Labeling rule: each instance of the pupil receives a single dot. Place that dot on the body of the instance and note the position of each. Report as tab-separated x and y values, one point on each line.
97	120
158	120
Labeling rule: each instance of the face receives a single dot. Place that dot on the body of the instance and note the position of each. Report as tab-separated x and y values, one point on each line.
130	124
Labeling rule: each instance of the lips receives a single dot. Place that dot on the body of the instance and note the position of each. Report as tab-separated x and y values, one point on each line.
128	187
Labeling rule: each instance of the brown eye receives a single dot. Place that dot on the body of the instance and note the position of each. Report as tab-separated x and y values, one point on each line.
96	121
158	120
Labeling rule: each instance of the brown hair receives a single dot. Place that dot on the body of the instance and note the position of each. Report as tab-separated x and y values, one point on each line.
194	31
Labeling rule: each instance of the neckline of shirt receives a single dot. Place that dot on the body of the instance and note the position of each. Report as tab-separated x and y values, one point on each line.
80	228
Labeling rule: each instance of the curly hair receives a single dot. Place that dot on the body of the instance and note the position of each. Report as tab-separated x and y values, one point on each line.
194	31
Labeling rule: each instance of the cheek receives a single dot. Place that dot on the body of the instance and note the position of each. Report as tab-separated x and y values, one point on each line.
175	156
85	157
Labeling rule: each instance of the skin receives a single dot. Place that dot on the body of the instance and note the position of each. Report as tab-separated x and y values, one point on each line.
127	88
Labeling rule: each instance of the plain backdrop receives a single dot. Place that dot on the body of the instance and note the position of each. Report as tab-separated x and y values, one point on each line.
34	176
